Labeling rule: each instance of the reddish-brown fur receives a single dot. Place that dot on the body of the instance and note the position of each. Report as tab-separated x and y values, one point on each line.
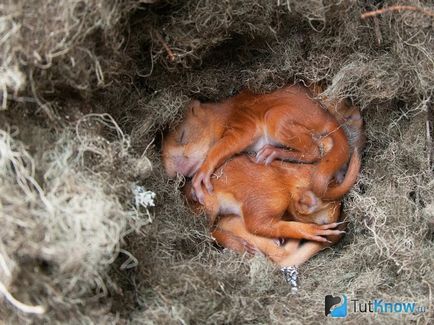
263	194
287	117
269	210
231	231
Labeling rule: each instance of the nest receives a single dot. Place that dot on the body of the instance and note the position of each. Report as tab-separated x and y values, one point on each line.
87	90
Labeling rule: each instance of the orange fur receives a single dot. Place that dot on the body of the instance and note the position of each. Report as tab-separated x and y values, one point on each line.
254	210
259	200
288	117
232	233
262	195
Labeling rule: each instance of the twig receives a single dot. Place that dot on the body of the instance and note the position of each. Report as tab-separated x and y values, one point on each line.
377	30
430	135
166	47
424	11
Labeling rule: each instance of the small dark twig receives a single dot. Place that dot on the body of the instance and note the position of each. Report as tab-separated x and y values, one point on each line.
430	135
166	47
398	8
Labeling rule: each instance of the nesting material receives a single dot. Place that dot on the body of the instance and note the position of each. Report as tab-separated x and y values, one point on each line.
87	90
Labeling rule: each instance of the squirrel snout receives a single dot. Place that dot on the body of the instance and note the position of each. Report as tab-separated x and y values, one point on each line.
181	164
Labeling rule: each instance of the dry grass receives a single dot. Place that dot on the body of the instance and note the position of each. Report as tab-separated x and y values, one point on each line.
72	239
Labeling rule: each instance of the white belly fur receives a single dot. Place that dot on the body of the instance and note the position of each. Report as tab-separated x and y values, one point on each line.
228	205
262	141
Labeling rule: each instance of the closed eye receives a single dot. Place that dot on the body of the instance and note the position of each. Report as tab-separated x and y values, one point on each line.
181	139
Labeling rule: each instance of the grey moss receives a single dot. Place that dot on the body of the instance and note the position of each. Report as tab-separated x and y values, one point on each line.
71	239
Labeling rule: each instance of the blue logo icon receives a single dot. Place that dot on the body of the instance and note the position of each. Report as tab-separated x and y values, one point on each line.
336	307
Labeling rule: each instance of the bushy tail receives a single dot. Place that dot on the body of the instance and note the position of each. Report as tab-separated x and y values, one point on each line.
336	192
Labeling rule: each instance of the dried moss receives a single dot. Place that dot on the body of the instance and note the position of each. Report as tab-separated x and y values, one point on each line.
63	60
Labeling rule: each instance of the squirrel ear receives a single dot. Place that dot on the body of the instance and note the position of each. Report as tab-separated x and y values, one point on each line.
194	107
307	203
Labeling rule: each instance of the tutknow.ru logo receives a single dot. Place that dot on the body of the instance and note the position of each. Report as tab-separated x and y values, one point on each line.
337	306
